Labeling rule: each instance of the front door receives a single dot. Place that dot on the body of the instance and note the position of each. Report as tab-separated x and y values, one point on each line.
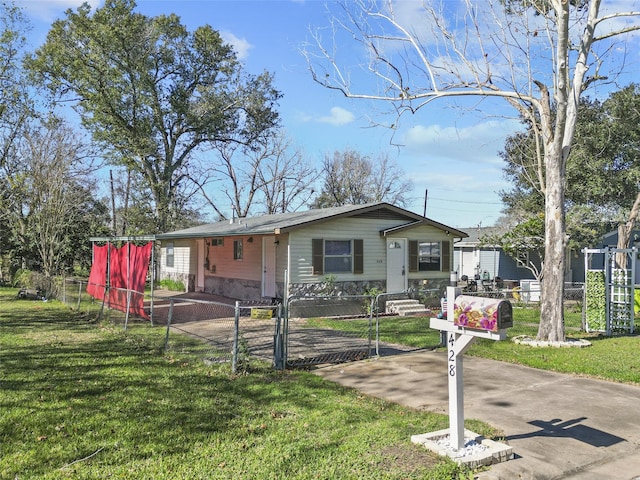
396	265
269	267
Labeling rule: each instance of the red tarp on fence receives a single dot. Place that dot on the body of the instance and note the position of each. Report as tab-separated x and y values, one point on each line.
128	267
98	274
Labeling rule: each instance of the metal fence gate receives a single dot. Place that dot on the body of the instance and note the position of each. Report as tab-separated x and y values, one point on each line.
320	330
331	329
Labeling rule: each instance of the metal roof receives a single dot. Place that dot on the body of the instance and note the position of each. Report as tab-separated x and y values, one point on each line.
283	222
477	234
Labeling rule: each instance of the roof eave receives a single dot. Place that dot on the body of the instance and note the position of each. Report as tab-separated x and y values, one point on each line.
425	221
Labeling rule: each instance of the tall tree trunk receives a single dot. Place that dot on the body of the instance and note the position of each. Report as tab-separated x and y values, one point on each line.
551	303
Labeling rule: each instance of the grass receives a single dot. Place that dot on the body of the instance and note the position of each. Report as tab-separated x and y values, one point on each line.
612	358
86	400
410	331
81	399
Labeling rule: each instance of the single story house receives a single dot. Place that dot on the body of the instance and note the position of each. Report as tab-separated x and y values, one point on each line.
476	259
473	257
348	249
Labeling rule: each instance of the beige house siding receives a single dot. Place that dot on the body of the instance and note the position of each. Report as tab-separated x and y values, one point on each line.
375	262
282	266
181	257
341	229
183	260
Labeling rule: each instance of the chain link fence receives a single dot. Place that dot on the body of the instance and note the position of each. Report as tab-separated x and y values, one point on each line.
335	329
526	296
306	331
214	329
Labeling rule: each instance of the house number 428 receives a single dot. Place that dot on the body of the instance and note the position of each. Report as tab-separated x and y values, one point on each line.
452	355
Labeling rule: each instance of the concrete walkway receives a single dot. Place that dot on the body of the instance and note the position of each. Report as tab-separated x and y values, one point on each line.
560	426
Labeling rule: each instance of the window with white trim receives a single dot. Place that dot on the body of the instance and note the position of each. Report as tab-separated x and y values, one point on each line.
169	255
337	256
429	256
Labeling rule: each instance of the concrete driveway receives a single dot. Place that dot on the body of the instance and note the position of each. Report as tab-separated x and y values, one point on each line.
560	426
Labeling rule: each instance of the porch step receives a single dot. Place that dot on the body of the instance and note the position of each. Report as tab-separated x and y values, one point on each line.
406	308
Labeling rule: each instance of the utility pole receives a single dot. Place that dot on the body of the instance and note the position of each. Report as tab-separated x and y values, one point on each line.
426	191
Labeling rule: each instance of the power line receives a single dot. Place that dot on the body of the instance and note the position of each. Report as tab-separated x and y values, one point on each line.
464	201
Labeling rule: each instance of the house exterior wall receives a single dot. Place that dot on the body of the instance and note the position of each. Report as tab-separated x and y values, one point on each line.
509	269
470	261
466	261
282	264
374	275
221	262
242	278
234	277
183	260
300	245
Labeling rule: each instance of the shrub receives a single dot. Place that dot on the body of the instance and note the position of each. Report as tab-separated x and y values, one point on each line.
371	292
173	285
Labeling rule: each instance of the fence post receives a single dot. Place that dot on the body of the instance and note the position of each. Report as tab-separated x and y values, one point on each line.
126	315
285	331
236	334
371	306
79	295
377	307
278	350
106	292
169	318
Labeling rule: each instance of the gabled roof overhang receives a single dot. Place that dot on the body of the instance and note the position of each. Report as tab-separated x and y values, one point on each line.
400	228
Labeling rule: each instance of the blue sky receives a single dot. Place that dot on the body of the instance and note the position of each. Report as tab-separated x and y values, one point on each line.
450	152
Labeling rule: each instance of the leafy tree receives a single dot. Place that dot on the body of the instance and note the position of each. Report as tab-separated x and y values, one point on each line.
132	208
524	242
624	109
47	202
351	178
154	93
15	103
603	171
537	56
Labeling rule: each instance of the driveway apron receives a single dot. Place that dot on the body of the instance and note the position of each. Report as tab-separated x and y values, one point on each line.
560	426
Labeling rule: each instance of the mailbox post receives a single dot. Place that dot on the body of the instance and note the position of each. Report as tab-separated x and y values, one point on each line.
467	319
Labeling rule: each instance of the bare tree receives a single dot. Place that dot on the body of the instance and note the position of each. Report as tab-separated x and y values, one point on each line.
352	178
536	55
286	178
273	174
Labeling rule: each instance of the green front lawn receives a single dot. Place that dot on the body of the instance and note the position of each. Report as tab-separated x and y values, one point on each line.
87	400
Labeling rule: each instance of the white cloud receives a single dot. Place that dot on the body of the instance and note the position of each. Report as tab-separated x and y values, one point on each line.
338	116
477	143
240	45
49	10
